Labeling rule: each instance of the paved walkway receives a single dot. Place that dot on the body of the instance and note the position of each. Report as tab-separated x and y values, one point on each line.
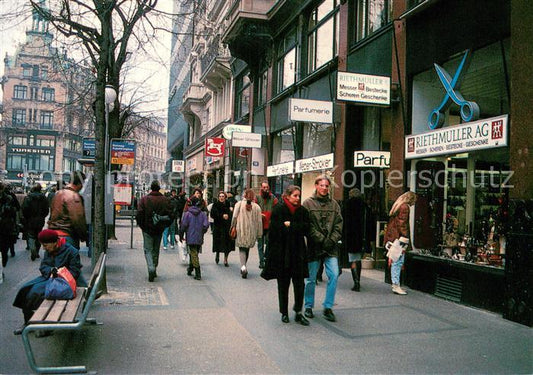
224	324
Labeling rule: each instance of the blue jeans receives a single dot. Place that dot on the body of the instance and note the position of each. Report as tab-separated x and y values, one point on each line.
396	270
262	246
331	264
151	250
170	230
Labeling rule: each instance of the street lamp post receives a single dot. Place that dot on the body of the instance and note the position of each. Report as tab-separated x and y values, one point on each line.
110	97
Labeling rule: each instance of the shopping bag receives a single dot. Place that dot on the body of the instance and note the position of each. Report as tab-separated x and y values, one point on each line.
65	274
58	288
183	252
396	248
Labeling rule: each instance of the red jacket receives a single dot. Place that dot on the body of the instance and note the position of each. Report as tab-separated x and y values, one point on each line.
266	208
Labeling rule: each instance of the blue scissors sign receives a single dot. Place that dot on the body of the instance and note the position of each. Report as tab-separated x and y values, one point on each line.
469	110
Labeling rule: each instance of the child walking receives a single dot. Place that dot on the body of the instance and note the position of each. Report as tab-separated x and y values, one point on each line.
194	224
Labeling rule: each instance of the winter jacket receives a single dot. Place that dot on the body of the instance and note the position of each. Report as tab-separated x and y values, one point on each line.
266	206
249	224
287	250
356	226
398	225
150	203
221	227
193	225
34	211
67	214
8	219
326	227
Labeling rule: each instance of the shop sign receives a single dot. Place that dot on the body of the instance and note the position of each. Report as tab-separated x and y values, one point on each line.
488	133
280	169
371	159
258	162
229	129
315	163
310	110
191	165
363	88
178	166
122	151
214	147
251	140
27	150
89	148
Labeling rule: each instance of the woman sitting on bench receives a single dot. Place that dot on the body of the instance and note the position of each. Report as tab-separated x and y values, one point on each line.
58	253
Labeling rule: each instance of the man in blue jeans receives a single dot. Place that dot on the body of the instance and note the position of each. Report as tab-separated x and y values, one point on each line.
325	231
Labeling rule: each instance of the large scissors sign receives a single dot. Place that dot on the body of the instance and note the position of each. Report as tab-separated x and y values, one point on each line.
469	110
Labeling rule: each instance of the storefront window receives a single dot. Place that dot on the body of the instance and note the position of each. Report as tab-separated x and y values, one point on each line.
317	139
287	61
283	147
323	37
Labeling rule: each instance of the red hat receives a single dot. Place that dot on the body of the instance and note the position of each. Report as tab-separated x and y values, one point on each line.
47	236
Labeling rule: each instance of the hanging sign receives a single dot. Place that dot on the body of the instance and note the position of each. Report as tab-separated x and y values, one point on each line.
251	140
363	88
214	147
315	163
280	169
489	133
229	129
89	148
310	110
178	166
368	159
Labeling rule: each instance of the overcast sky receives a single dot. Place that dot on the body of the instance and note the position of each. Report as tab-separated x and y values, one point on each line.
151	70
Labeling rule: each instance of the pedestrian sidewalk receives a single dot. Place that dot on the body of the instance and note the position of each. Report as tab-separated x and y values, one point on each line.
224	324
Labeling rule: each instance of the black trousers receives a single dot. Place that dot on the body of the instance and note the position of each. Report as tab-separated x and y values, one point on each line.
283	293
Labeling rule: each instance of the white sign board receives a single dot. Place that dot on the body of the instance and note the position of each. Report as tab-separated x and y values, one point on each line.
251	140
310	110
477	135
280	169
122	194
229	129
315	163
369	159
178	166
258	162
363	88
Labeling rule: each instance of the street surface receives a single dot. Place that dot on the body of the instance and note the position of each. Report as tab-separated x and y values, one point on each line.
227	325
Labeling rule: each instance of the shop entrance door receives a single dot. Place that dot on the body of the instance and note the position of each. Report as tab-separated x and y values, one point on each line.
430	180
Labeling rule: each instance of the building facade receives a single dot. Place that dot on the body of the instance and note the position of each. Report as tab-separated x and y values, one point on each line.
387	96
46	98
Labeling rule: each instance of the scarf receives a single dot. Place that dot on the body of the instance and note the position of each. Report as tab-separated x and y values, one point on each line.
292	208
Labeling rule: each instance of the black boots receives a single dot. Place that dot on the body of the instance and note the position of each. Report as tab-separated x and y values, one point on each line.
356	276
189	269
197	273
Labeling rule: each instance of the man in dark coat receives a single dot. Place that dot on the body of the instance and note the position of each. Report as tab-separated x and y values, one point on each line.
58	253
34	212
157	203
266	200
8	222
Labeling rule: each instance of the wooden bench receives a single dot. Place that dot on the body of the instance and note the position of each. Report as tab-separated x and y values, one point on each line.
62	315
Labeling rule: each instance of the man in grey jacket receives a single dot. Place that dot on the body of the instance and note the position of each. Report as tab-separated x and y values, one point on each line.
324	233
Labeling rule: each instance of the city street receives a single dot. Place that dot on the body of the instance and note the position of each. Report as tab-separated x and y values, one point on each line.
225	324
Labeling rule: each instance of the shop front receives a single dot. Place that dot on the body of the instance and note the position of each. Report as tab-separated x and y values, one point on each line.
458	154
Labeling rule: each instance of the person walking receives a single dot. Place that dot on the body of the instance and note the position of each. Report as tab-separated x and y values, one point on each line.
194	224
58	253
356	233
286	258
249	226
151	206
171	229
8	223
67	213
266	201
34	212
222	215
398	229
324	232
18	197
197	192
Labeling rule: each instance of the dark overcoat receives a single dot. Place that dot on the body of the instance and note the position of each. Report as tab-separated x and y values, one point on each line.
222	243
287	249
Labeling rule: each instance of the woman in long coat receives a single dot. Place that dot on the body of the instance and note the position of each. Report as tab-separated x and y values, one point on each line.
286	259
222	215
249	224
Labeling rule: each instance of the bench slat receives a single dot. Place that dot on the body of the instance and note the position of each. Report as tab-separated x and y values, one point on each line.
42	311
96	270
55	313
73	306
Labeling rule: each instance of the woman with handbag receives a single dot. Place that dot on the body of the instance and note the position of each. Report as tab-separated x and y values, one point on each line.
222	215
58	253
248	223
286	258
398	229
